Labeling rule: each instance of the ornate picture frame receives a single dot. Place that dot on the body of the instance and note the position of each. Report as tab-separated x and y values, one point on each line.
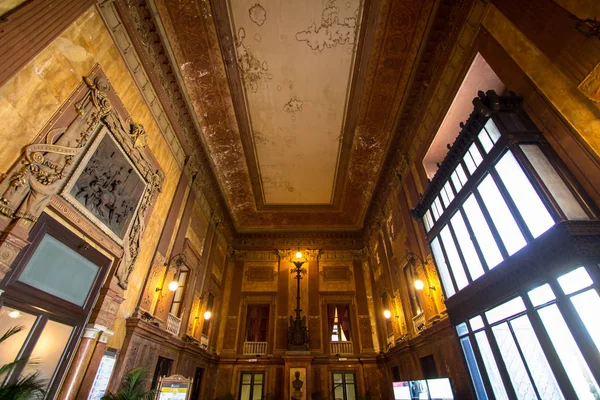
106	186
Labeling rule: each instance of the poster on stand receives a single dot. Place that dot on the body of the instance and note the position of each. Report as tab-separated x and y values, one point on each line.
175	387
107	364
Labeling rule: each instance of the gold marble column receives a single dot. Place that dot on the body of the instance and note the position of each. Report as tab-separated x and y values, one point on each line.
80	362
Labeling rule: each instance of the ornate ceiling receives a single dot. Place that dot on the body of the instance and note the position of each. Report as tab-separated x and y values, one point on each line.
296	102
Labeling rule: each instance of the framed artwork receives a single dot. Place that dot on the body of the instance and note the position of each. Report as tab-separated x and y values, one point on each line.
106	187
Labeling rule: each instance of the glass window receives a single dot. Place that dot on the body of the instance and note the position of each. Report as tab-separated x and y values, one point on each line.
505	310
514	364
338	316
485	140
492	130
10	318
476	323
535	359
57	269
453	258
473	369
541	295
437	208
466	246
49	349
508	334
343	384
528	202
490	366
482	232
501	216
251	386
575	280
587	305
555	184
428	221
577	369
442	268
178	296
446	194
461	329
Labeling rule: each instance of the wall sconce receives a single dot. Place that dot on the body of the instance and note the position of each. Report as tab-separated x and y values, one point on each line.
412	258
419	285
180	261
208	313
384	299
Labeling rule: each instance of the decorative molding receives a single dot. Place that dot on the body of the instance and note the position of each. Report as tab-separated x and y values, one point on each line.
260	273
336	273
259	298
137	39
128	52
67	211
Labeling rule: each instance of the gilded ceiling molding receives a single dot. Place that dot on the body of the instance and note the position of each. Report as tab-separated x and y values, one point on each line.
396	29
135	34
428	95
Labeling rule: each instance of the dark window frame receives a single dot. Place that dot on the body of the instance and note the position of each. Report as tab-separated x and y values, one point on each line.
45	306
252	383
344	384
576	327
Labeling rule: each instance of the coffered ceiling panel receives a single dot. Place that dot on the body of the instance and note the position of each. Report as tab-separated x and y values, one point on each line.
295	60
296	101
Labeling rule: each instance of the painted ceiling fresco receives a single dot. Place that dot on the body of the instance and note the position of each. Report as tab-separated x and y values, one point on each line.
295	59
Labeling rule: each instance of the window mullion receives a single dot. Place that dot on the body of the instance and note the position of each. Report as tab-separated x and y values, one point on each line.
29	345
460	254
538	185
512	207
523	359
506	381
548	348
442	247
487	383
491	226
582	338
474	240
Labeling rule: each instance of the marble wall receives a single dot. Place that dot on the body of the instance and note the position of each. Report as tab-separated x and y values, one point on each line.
32	96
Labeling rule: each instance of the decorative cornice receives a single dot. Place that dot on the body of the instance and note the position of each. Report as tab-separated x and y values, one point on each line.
136	27
446	26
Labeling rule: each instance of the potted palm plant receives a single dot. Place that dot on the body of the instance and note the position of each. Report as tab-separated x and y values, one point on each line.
133	387
25	387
